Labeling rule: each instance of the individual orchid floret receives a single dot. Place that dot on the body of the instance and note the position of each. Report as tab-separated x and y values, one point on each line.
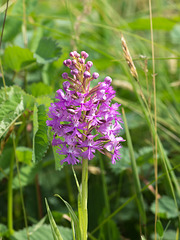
72	54
82	61
74	72
83	119
87	74
108	80
65	75
89	64
95	75
67	62
84	54
66	85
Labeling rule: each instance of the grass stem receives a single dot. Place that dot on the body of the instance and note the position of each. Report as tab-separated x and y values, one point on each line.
3	78
24	26
155	122
84	197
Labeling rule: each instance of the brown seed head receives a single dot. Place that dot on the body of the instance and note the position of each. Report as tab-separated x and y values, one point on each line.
129	58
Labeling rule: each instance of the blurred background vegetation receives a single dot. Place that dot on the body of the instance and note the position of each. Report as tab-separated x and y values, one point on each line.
37	38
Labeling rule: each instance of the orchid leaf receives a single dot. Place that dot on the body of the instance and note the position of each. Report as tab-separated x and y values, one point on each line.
40	138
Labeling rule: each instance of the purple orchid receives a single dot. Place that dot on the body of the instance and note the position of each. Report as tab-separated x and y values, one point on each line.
83	119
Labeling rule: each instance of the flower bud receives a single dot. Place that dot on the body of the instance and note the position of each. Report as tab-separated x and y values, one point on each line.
72	67
95	75
108	80
89	64
71	54
74	61
67	62
65	75
84	54
81	60
74	72
77	55
87	74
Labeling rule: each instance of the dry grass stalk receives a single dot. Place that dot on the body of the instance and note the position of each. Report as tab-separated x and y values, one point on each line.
131	65
129	59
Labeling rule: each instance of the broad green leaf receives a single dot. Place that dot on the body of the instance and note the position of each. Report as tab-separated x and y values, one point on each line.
27	175
11	109
159	228
13	106
3	229
54	229
145	155
42	233
47	51
74	218
24	155
29	101
168	235
17	58
44	100
166	208
40	138
39	89
39	224
58	158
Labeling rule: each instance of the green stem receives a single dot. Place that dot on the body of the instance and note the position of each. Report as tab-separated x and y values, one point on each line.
10	197
24	26
84	197
4	83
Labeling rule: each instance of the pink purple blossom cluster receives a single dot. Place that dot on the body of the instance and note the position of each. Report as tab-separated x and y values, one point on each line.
82	118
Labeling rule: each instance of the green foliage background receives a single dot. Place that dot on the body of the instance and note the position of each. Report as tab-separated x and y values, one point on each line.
37	38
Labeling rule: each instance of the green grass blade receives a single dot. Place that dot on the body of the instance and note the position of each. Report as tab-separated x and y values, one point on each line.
77	183
73	217
139	198
54	228
166	165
